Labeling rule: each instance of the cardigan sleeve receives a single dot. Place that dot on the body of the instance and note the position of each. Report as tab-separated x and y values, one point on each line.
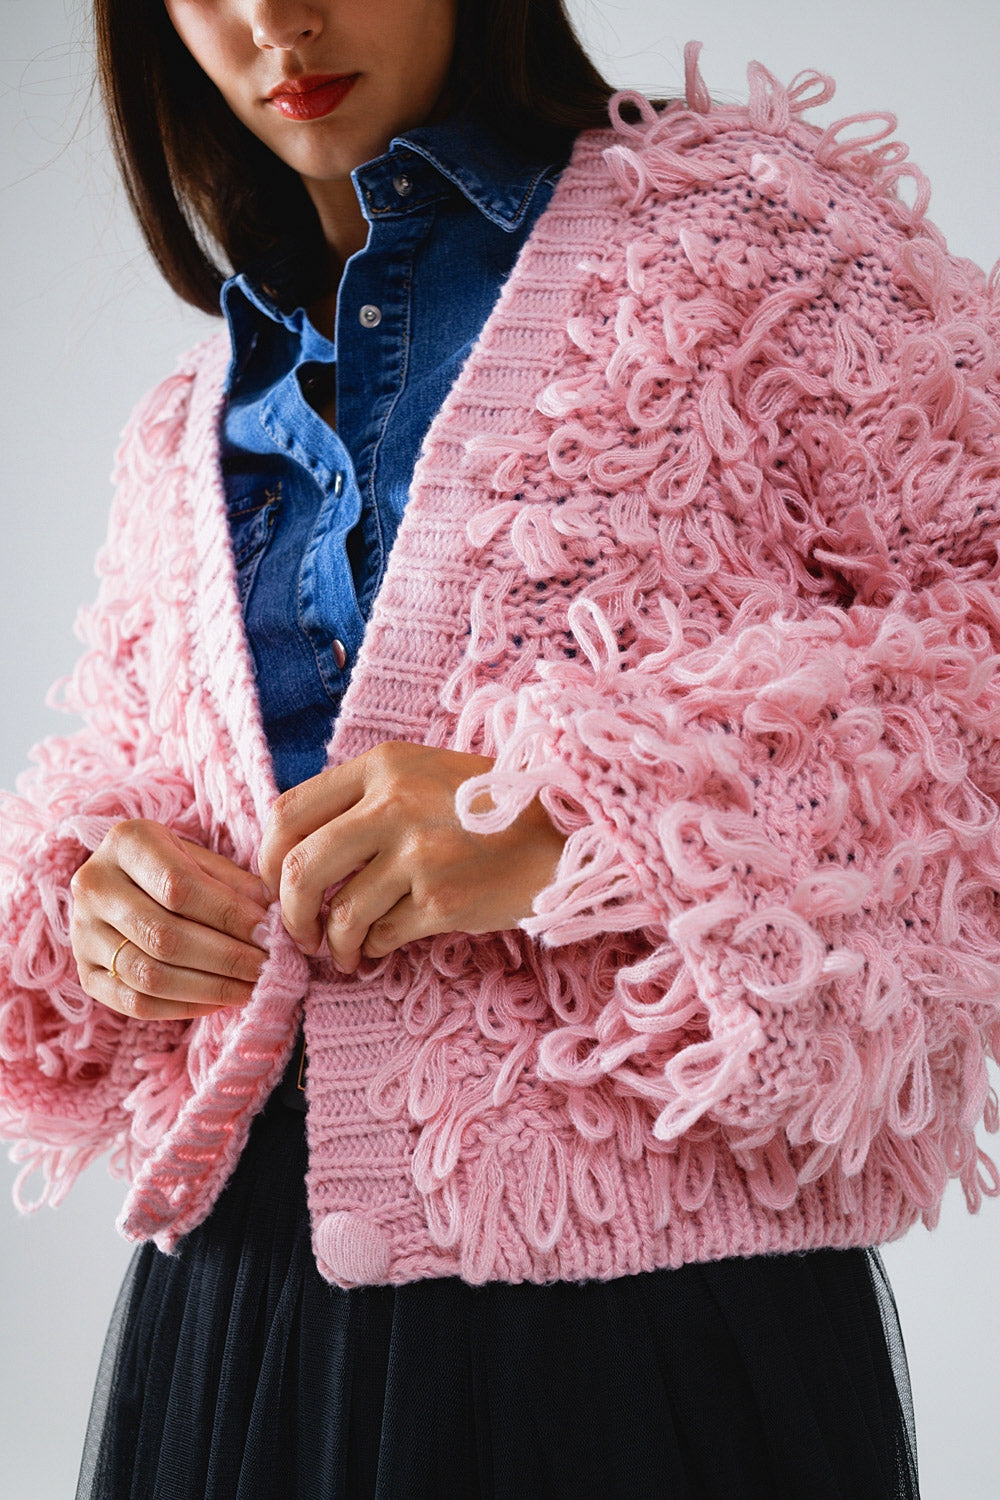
793	796
63	1073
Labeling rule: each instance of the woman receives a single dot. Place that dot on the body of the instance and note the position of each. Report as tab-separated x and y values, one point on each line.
680	664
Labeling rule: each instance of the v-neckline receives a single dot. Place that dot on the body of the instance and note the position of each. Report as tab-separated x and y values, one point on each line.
412	643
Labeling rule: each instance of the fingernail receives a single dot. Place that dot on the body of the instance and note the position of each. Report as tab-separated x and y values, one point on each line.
261	935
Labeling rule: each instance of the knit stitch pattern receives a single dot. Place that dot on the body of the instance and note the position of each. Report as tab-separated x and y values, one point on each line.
702	549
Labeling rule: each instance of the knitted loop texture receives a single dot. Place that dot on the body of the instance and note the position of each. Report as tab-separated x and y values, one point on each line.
702	548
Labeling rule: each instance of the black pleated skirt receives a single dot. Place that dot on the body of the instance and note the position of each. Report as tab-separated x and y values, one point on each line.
233	1371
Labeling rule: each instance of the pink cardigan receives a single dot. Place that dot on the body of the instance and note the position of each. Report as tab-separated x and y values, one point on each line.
703	547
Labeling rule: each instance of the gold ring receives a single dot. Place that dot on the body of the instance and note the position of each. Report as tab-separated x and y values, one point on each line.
113	971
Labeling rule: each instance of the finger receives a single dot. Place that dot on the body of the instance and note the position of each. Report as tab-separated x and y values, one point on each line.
337	851
117	995
165	870
363	900
243	882
153	978
302	810
161	936
406	922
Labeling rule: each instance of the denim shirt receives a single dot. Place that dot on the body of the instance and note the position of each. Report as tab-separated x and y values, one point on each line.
313	512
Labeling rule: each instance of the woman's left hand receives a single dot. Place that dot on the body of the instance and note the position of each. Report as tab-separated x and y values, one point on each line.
385	825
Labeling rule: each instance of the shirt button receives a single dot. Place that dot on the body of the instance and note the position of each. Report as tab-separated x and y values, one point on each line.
340	655
403	185
338	484
370	316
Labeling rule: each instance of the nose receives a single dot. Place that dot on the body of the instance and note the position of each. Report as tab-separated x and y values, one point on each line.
281	24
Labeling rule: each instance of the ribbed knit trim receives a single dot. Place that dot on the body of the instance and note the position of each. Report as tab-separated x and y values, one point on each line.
232	1062
415	640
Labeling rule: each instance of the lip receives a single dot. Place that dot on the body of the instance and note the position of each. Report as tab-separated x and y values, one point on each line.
313	96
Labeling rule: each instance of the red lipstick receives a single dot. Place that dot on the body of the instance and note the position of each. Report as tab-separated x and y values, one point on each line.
311	97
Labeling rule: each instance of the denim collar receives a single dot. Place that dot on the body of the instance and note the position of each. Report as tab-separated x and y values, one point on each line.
492	174
461	152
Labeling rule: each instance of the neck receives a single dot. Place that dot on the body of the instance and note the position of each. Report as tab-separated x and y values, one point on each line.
345	231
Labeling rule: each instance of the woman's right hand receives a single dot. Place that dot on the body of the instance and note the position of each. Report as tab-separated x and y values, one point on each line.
188	925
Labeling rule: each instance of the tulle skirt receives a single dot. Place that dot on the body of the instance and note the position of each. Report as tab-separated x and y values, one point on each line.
233	1371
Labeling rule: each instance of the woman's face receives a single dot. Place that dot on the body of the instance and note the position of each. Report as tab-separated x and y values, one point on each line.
326	84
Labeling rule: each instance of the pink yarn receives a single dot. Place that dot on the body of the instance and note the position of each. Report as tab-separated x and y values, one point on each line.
702	548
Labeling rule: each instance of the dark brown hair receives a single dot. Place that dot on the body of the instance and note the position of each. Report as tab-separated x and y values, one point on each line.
210	197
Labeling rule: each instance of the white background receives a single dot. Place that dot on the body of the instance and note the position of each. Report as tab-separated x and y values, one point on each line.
87	327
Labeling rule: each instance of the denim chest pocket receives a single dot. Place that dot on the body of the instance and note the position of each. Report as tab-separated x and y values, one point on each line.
253	513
